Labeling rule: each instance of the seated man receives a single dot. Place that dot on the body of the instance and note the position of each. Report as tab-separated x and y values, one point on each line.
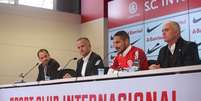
127	54
177	52
90	62
48	67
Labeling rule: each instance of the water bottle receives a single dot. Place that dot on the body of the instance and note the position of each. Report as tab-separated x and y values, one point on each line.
136	63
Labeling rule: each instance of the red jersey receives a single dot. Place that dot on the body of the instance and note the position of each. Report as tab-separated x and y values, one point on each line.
122	60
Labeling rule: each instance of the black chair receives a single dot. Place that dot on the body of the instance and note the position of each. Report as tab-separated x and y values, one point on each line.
151	62
61	73
200	62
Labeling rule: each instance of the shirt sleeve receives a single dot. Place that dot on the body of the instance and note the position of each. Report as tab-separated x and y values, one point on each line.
143	61
115	64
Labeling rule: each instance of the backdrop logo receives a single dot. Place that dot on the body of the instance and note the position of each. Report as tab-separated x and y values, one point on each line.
196	31
153	49
132	7
134	42
153	28
196	20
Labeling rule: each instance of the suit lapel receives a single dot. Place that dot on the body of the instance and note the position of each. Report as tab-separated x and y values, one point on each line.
89	65
178	52
166	61
80	64
175	57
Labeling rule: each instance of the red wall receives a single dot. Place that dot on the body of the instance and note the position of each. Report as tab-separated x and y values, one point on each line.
118	12
93	9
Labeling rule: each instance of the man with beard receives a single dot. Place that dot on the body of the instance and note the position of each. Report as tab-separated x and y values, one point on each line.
48	67
127	54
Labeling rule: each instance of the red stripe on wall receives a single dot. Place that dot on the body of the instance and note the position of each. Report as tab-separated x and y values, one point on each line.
93	9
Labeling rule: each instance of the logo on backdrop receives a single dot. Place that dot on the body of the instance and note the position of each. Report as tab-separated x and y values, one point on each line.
149	30
134	42
132	10
130	63
196	20
132	7
156	47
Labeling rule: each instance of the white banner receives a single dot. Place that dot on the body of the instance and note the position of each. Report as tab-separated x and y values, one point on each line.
177	87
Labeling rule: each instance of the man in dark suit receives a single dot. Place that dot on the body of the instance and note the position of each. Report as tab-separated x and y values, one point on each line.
48	67
177	52
90	62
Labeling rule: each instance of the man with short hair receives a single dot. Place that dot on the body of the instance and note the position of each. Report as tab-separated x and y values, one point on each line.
48	67
90	62
126	53
177	52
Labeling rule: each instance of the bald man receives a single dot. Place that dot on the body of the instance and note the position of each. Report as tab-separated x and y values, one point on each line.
90	62
177	52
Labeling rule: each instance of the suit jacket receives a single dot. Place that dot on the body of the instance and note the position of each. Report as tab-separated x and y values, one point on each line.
91	68
52	67
186	53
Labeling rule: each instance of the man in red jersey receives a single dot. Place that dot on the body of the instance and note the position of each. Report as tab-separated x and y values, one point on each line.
127	54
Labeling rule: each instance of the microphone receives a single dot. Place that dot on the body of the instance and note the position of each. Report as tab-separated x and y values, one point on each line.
23	75
109	54
105	62
105	57
68	62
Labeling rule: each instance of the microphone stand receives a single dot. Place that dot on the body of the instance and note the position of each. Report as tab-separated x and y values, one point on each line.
23	75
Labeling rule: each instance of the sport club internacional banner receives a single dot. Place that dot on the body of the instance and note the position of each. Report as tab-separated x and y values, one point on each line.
143	20
176	87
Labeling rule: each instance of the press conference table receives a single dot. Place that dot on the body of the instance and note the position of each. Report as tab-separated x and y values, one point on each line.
171	84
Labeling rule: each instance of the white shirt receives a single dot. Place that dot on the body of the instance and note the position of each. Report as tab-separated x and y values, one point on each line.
126	51
172	48
84	66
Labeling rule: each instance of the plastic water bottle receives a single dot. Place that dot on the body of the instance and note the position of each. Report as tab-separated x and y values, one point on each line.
136	63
